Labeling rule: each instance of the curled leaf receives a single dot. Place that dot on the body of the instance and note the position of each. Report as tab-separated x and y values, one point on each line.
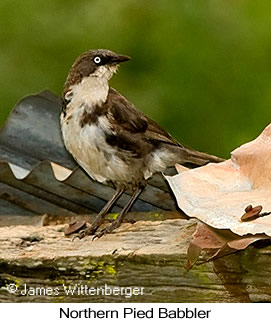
217	194
217	243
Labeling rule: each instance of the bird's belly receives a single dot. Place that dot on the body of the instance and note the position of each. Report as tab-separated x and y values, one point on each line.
89	148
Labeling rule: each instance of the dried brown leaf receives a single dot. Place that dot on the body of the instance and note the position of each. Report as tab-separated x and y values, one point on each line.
217	243
218	194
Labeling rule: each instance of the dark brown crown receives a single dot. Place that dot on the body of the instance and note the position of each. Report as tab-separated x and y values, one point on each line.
88	62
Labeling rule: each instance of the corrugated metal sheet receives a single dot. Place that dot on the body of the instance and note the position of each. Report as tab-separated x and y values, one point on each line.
38	175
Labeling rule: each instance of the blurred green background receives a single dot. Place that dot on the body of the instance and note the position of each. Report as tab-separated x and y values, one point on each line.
201	68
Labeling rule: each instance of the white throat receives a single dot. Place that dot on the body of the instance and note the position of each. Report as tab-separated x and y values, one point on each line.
93	89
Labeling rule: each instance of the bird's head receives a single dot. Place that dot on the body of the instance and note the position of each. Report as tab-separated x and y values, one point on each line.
100	63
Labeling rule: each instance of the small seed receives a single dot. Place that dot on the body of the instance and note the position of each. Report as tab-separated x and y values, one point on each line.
248	208
252	214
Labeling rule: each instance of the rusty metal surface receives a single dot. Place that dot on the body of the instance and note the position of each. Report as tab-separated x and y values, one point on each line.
38	175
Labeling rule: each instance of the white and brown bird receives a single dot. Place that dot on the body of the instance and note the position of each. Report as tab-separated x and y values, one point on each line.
112	140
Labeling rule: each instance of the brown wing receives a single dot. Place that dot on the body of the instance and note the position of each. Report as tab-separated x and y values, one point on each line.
132	120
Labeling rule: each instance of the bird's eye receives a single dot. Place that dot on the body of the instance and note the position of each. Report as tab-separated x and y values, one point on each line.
97	59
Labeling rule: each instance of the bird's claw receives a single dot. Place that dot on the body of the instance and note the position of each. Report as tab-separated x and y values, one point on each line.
90	230
101	233
108	229
81	234
98	235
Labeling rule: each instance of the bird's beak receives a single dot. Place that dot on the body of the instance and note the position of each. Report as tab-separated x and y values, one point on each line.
119	59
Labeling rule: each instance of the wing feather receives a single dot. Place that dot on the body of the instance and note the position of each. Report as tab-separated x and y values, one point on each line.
125	115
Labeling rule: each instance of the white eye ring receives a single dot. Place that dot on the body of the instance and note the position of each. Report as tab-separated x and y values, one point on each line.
97	59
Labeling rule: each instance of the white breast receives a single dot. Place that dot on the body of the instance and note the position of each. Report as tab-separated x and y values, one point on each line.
89	148
87	143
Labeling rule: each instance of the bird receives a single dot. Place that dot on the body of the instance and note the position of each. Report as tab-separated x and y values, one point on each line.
110	138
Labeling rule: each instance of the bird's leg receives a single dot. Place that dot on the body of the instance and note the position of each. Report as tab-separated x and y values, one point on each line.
117	222
100	217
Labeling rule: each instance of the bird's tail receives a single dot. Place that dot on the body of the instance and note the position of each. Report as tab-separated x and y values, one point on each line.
196	158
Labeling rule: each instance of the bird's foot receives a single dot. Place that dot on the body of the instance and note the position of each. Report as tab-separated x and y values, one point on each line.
91	229
109	229
85	232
